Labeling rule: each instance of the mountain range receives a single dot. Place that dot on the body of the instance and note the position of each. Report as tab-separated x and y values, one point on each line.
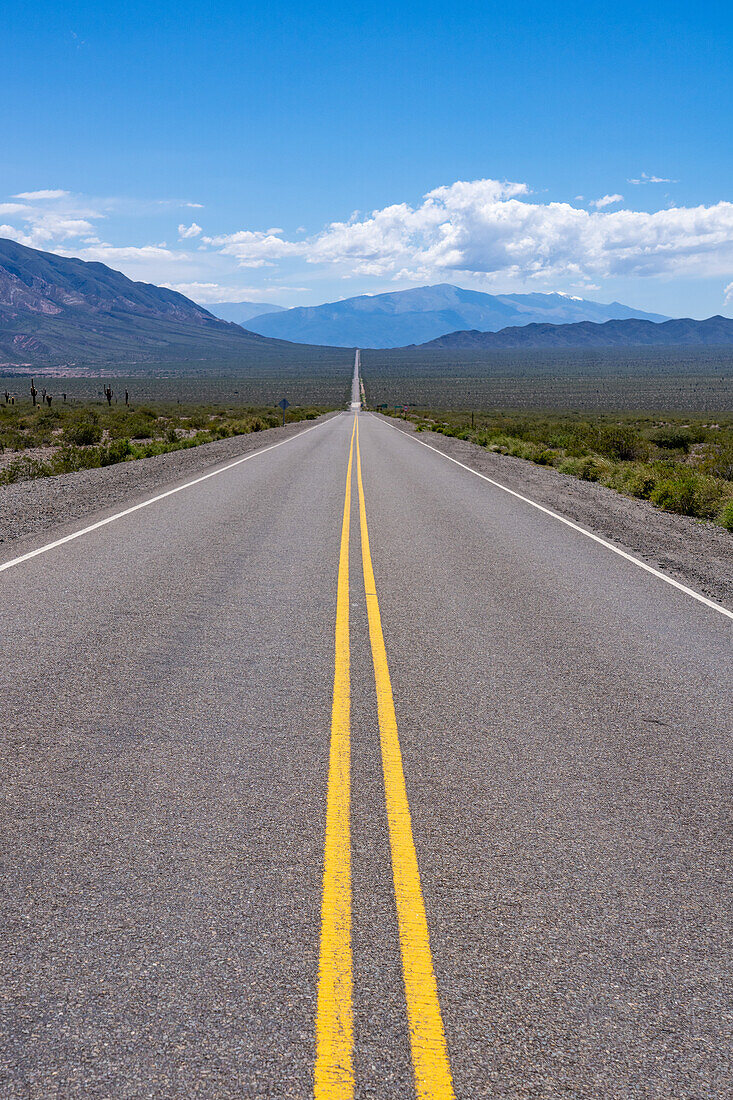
57	310
241	312
416	316
611	334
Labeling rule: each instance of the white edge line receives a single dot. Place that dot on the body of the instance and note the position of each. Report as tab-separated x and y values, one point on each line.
575	526
151	500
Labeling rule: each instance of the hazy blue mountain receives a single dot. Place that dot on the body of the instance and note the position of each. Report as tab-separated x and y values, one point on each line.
241	312
612	334
55	310
416	316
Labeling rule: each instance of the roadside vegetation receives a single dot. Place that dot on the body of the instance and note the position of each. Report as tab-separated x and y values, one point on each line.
60	438
679	464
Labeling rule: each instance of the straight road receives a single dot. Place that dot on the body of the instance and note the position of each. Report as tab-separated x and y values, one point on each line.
355	384
345	773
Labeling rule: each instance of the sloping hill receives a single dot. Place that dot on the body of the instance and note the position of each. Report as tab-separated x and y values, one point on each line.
612	334
415	316
55	310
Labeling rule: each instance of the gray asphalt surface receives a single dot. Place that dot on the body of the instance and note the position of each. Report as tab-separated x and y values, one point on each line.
565	723
355	390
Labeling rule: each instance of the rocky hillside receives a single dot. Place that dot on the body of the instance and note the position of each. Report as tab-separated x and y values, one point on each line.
57	311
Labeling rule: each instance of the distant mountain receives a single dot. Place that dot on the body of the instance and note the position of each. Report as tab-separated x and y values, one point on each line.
55	310
612	334
241	312
416	316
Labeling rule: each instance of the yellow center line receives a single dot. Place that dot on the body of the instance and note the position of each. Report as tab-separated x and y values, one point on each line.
334	1069
427	1038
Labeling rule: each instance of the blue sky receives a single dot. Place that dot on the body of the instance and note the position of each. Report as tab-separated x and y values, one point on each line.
295	145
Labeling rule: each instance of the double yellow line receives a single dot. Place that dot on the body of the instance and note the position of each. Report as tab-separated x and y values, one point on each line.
334	1069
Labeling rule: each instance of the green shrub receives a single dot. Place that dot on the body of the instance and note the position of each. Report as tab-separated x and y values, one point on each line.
674	438
116	451
23	469
620	443
639	481
69	459
717	460
587	468
139	428
82	433
725	516
545	458
687	493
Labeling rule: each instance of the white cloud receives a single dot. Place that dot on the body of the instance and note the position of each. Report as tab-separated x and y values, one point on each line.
59	227
109	253
34	195
490	233
193	230
728	293
606	200
487	229
10	232
45	230
214	292
644	178
253	248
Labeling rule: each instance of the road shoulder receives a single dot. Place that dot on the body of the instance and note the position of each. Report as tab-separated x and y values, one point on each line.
694	552
57	505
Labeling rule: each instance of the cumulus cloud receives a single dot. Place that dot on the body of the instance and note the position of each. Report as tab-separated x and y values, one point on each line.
491	228
111	254
494	233
193	230
644	178
253	248
42	231
606	200
33	195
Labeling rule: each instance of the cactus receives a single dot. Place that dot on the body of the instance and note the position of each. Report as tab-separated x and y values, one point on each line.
108	393
34	392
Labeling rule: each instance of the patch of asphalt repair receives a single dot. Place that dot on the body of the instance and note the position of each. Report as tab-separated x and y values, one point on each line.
55	504
695	552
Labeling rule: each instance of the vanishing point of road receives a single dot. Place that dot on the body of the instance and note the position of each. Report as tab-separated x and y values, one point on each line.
344	772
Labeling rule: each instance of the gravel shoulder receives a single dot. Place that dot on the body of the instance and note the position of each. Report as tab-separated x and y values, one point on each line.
697	553
56	505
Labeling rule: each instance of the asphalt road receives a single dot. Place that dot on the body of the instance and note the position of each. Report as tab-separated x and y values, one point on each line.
355	390
175	733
